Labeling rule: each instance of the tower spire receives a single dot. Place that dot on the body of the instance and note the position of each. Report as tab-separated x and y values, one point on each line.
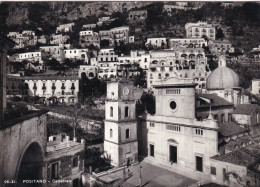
210	114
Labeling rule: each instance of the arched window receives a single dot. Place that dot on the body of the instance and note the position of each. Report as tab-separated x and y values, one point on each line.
111	133
126	111
111	111
127	134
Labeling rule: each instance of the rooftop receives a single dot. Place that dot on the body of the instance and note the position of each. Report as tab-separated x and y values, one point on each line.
207	100
231	128
50	77
59	144
246	109
243	157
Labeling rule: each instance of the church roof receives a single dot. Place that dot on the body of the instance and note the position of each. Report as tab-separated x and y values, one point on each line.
246	109
243	157
211	100
231	128
222	77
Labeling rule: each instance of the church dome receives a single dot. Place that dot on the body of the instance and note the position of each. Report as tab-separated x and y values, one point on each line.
222	77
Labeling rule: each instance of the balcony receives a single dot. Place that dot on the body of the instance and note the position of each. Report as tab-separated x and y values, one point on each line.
44	87
63	87
72	87
53	87
35	87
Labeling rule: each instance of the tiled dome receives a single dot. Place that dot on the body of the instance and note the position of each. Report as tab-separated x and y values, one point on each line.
222	77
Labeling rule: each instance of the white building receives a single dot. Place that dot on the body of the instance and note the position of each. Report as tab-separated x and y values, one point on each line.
200	29
115	35
30	56
187	42
157	42
65	89
58	39
65	28
136	57
221	47
88	70
182	62
89	26
80	54
174	136
255	87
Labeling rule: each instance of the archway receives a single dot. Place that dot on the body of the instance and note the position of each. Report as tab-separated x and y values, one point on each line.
31	165
91	74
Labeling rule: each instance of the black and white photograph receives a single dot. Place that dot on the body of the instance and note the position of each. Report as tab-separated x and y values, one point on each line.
129	93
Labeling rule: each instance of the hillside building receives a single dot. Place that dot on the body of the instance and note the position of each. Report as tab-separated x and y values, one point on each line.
65	28
187	43
137	16
79	54
200	29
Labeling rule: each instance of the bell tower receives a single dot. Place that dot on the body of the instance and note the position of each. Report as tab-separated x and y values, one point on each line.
120	142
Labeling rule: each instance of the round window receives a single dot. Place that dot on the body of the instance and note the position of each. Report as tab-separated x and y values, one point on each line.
173	105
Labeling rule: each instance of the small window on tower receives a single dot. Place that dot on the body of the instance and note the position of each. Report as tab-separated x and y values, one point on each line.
111	111
126	111
127	134
111	133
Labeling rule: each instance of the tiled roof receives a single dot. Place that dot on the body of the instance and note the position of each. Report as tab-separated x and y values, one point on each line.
243	157
214	100
230	128
245	109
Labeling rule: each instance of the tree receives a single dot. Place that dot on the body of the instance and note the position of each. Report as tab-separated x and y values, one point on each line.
75	111
104	43
219	33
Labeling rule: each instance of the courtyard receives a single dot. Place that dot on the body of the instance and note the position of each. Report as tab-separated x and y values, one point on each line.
151	176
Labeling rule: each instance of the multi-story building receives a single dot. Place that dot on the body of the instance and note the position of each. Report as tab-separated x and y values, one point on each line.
27	38
136	57
156	42
200	29
64	89
89	37
30	56
220	47
42	39
120	142
136	16
183	62
115	35
28	33
64	161
187	42
89	26
80	54
65	28
58	39
88	71
104	19
56	51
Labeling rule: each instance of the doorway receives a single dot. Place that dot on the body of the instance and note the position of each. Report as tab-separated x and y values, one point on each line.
173	154
152	150
199	163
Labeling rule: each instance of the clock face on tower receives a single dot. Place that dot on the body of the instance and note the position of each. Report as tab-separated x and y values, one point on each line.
125	91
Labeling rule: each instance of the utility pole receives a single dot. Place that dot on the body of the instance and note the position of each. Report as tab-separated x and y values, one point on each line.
140	179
